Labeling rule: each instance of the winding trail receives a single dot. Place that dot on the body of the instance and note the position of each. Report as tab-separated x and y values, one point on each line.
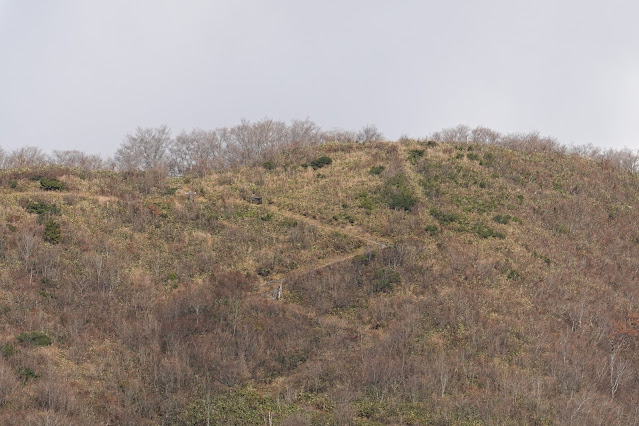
273	288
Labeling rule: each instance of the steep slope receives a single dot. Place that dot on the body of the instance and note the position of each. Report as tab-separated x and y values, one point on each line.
421	283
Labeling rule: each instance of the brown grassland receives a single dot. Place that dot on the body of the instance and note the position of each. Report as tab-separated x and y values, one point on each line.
457	284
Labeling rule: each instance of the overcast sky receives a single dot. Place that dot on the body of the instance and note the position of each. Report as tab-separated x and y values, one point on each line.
80	74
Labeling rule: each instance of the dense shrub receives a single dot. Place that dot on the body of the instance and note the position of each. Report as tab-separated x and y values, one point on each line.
52	233
321	162
504	219
472	156
445	218
35	338
41	208
398	195
376	170
431	230
26	373
385	280
415	154
484	231
268	165
50	184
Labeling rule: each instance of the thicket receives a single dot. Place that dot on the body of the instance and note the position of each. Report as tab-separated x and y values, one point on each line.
397	193
52	232
158	307
50	184
36	338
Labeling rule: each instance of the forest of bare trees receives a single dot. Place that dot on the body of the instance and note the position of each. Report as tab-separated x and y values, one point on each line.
198	151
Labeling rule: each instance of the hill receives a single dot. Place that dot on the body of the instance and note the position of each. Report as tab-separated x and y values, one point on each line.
379	283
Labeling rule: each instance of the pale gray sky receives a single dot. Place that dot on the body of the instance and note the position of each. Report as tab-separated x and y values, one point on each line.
80	74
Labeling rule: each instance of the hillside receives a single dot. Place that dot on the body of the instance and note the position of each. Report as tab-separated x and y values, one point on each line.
420	283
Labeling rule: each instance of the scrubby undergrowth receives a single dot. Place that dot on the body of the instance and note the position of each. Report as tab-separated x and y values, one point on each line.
424	283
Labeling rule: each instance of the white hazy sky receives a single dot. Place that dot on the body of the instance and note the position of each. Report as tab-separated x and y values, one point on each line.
80	74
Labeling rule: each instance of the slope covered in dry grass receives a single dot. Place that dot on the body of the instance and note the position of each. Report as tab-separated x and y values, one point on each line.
423	283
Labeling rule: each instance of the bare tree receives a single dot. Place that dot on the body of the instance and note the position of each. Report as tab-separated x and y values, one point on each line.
304	132
530	142
461	133
196	151
145	149
248	142
27	156
77	159
484	135
338	135
3	156
369	133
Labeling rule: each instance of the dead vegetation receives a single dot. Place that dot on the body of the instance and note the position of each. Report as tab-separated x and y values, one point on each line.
503	293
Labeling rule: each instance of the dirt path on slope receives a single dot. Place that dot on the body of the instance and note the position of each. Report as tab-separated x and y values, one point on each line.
353	232
34	193
371	242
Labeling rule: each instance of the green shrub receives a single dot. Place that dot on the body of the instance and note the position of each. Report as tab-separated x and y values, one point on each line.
321	162
41	208
504	219
50	184
472	156
414	155
364	259
7	350
268	165
398	195
52	233
488	159
376	170
385	280
13	183
366	202
26	374
445	218
35	338
484	231
431	230
263	272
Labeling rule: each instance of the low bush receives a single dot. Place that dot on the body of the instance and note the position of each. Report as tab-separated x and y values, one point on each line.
415	154
41	208
444	218
472	156
431	230
52	232
398	195
35	338
321	162
49	184
504	219
385	280
484	231
366	202
26	373
376	170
